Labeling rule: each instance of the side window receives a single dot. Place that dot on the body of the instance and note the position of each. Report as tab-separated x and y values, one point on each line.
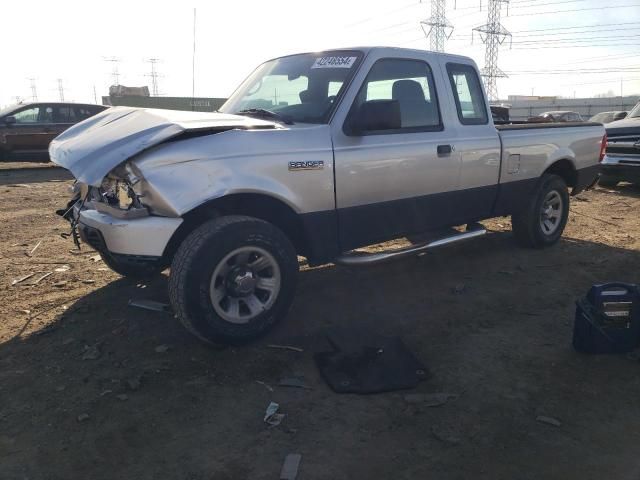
408	82
30	115
81	113
468	95
61	114
46	115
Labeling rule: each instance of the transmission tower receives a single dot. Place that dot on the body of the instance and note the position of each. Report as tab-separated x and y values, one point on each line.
154	76
34	91
493	34
437	28
60	90
115	73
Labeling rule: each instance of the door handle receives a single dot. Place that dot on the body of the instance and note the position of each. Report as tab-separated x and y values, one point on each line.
445	149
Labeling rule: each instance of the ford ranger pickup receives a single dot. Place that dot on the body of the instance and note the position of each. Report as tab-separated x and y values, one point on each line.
315	155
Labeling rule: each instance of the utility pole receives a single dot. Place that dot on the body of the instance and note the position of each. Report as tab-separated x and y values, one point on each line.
95	95
193	59
437	28
34	91
493	34
154	76
115	73
60	90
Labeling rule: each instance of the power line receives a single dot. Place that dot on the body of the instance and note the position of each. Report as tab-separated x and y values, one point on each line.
493	34
437	28
578	26
34	91
555	12
60	90
579	46
154	76
115	73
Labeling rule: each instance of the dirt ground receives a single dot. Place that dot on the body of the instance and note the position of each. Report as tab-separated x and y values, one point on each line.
93	388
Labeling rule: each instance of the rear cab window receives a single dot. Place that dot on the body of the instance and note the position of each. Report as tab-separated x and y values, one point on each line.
468	94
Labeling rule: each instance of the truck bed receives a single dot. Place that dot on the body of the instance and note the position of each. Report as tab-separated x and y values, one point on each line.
537	126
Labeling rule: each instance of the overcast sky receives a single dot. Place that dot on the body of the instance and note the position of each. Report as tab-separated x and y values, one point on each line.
69	40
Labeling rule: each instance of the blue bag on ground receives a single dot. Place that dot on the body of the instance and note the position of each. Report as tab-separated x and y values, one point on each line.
608	319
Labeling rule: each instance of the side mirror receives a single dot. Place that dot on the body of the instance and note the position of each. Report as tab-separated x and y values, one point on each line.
9	120
376	115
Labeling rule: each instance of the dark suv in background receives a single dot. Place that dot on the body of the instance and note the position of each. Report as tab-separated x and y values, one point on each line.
26	129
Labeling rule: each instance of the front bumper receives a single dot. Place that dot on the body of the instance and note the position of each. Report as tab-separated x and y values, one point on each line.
143	237
621	168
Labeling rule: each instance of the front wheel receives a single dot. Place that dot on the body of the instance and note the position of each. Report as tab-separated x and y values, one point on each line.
542	222
232	279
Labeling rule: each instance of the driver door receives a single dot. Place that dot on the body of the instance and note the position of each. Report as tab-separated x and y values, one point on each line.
395	182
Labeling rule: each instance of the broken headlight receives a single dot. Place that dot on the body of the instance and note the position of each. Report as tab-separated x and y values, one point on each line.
117	189
118	193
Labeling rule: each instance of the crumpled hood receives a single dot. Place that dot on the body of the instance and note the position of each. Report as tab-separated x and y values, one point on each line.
94	147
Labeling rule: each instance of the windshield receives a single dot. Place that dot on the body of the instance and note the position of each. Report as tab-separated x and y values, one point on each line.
635	112
303	88
604	117
7	110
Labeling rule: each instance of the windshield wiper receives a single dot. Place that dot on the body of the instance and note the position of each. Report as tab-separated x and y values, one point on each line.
264	113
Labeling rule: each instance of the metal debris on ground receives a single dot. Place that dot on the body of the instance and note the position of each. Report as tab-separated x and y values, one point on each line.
549	420
42	278
290	466
21	279
430	399
271	415
286	347
91	352
265	385
133	384
88	282
30	254
295	382
83	417
445	435
150	305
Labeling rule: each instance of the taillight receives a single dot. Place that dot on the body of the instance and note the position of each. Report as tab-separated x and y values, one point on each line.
603	147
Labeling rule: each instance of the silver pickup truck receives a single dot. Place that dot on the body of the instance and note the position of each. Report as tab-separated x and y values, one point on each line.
314	155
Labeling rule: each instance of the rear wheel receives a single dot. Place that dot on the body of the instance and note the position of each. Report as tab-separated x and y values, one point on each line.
232	279
542	222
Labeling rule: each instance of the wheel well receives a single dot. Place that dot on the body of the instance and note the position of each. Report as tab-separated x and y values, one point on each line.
565	169
259	206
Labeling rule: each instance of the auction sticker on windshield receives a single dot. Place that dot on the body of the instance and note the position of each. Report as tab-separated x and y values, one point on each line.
334	62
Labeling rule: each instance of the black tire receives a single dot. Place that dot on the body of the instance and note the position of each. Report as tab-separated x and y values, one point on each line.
605	182
200	256
137	272
527	225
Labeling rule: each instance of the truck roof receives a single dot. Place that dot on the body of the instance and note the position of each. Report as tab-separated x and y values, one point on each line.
381	49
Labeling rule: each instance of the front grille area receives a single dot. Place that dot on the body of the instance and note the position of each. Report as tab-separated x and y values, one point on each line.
624	144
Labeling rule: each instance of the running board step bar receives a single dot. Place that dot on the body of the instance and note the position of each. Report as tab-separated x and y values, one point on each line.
356	258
